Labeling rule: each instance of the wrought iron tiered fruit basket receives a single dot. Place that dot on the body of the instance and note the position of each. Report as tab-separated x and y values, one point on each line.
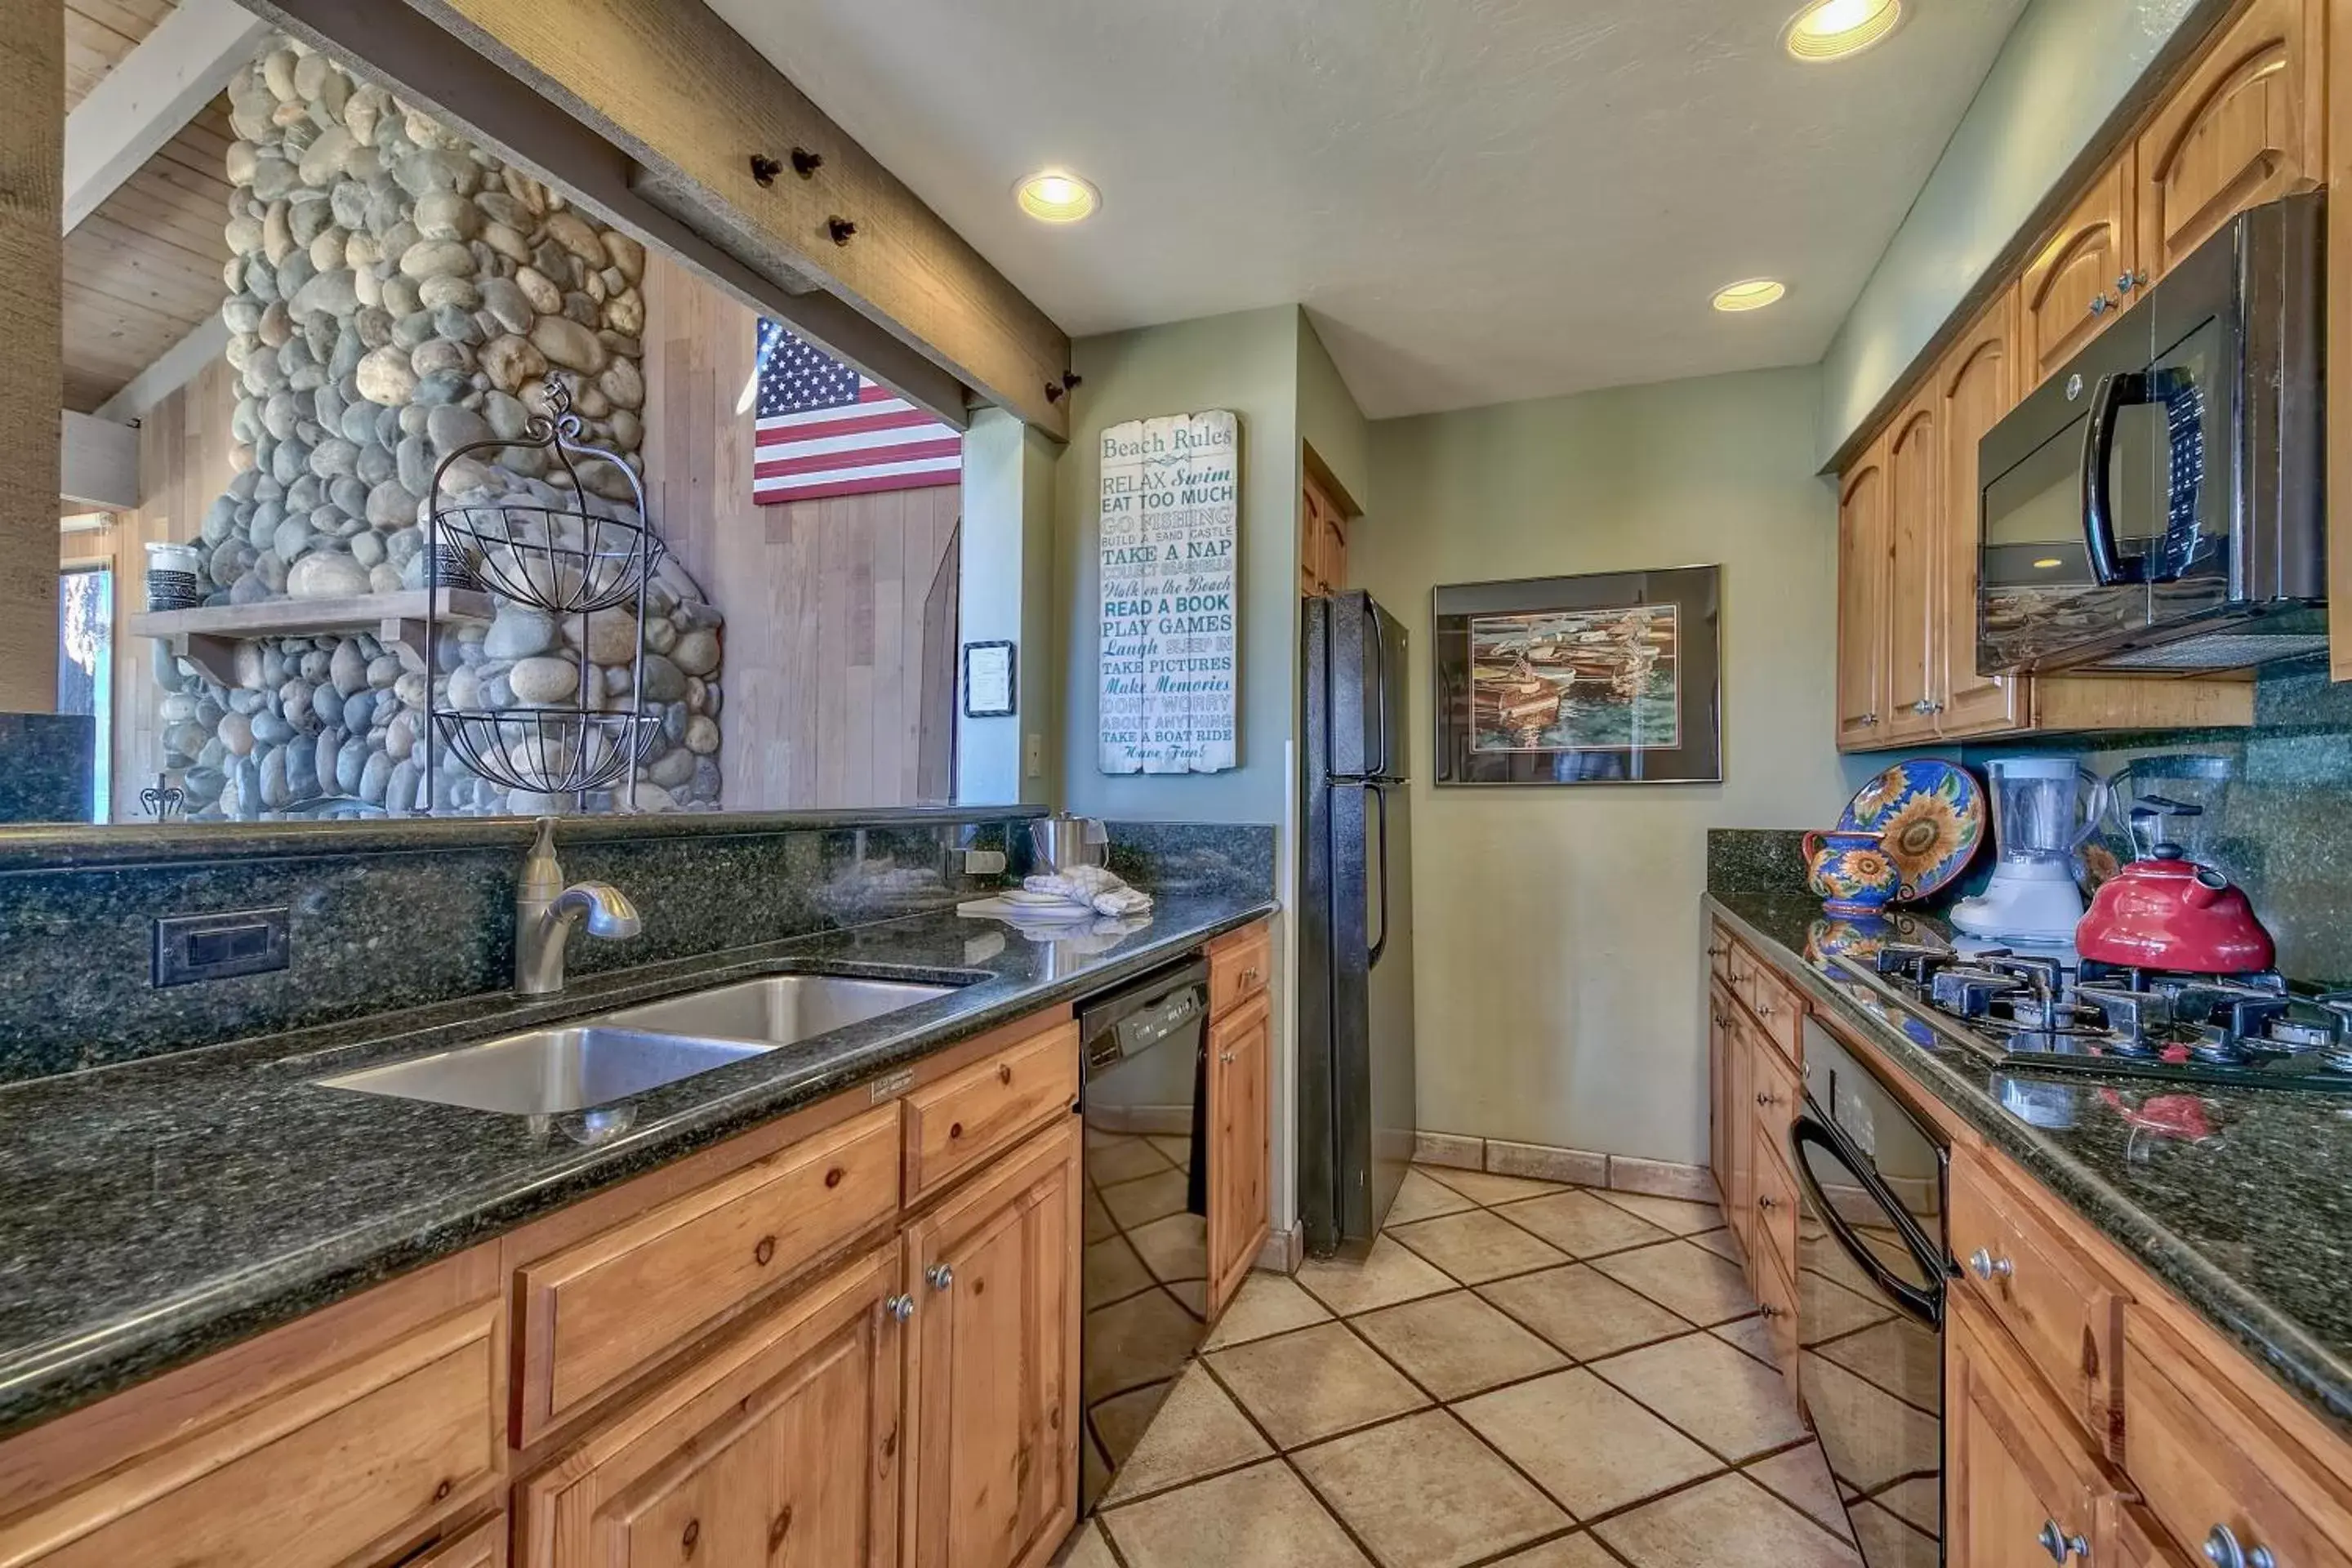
564	562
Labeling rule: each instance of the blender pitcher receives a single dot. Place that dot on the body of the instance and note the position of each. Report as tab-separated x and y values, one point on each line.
2043	808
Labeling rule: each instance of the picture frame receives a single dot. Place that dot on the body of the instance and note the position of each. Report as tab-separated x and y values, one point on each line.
1602	677
989	679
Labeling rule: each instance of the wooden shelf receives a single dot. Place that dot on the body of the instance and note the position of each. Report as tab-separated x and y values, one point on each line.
207	637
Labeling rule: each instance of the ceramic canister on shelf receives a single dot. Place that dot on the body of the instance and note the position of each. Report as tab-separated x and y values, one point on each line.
1850	870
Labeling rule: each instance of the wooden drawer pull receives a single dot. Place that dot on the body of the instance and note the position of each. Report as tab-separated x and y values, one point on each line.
765	1252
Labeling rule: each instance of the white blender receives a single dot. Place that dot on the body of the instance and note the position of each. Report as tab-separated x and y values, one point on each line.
2043	810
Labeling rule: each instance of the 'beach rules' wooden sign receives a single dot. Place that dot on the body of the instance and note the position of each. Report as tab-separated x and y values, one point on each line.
1170	648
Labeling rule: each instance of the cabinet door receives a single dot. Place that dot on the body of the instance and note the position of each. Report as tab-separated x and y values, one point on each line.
1861	601
992	1449
1975	384
2070	289
1914	525
1241	1063
2019	1486
1718	1079
777	1448
2246	125
1740	1137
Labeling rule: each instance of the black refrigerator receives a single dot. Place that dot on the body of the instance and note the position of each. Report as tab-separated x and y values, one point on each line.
1355	1013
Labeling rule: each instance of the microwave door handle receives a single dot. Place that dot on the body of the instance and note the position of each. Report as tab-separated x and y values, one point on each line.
2107	566
1926	1306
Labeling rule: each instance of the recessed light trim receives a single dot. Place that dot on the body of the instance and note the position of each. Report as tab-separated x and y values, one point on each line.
2048	563
1836	29
1057	195
1750	294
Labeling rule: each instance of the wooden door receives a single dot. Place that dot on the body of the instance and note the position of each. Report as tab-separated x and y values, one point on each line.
1975	385
778	1448
1861	601
2076	284
2019	1485
992	1428
1241	1090
1914	528
2245	124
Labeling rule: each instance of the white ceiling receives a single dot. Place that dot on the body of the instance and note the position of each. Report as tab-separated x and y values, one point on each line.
1477	200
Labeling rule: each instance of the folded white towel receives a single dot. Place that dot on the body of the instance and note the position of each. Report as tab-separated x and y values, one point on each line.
1094	887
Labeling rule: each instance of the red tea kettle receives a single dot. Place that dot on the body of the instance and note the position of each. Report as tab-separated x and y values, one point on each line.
2169	912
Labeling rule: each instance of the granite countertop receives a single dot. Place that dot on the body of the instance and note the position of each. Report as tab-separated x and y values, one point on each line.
153	1212
2251	1225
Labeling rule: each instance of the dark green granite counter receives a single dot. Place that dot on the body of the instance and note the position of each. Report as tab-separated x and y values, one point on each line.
2240	1200
152	1211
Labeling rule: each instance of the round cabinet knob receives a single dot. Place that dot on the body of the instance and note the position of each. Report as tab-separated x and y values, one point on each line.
2101	304
1227	1057
940	1275
1985	1266
2061	1545
900	1306
1768	1202
2223	1551
1923	707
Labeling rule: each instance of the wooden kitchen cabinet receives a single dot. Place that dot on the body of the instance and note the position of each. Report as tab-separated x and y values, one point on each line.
2247	123
2019	1485
2084	276
484	1546
1975	384
1241	1064
1862	629
990	1439
1322	543
780	1447
1913	534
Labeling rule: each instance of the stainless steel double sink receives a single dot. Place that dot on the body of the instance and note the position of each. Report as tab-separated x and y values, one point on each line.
614	1055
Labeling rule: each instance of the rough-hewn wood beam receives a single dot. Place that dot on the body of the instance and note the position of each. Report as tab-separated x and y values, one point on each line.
691	102
32	185
429	67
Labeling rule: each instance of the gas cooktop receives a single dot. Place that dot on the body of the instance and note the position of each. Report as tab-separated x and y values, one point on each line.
2040	1014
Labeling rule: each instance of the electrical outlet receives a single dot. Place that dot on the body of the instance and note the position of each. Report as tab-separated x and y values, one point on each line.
983	862
1033	757
189	948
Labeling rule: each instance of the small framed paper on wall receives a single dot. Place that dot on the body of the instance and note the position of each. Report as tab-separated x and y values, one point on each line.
988	681
1611	678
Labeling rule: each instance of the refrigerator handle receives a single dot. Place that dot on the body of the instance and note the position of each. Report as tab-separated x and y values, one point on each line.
1380	799
1376	644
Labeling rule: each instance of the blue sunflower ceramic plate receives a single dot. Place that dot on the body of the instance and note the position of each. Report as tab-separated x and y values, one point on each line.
1931	817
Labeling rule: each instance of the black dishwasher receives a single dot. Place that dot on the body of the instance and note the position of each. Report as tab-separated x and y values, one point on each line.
1143	1050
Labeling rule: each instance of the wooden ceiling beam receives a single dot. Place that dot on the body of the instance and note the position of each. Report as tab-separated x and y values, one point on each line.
145	101
690	104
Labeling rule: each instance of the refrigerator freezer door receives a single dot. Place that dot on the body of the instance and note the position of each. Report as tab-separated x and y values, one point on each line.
1366	687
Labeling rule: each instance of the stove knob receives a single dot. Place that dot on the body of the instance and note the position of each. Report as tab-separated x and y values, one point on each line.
1985	1266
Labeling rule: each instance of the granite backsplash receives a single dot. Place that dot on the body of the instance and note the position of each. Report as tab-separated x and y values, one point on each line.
398	915
1754	860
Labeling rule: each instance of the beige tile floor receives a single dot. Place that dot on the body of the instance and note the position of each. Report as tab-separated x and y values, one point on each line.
1521	1375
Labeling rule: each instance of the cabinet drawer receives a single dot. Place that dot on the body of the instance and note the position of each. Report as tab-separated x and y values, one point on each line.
484	1546
954	1124
1774	1227
599	1312
1779	1010
2062	1310
1718	951
1776	1098
1238	966
1776	1298
2206	1460
351	1465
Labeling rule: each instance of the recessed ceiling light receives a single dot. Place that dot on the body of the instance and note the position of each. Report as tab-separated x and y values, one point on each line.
1057	195
1833	29
1752	295
2048	563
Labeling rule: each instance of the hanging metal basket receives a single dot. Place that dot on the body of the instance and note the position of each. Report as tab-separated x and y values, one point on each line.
563	560
552	751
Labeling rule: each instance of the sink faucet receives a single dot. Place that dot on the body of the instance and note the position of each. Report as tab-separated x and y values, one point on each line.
546	911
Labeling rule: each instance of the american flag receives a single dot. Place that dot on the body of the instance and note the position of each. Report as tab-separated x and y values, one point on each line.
825	430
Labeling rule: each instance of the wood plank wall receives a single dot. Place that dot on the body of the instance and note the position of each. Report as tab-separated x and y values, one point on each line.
841	644
184	464
32	195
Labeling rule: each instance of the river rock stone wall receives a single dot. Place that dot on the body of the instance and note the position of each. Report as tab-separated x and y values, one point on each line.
394	294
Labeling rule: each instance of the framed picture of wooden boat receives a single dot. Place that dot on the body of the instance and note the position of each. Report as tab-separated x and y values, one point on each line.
1611	678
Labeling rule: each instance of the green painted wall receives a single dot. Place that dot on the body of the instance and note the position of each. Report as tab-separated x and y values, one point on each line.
1557	954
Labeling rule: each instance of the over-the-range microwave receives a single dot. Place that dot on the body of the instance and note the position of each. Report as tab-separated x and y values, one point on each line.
2158	505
